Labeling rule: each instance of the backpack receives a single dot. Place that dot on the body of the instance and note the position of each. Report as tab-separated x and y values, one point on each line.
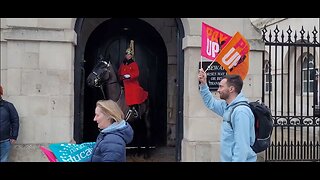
263	124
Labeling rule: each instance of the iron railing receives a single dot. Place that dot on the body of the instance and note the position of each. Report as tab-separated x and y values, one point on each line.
291	90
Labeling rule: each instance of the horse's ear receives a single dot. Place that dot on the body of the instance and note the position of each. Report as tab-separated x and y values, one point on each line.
108	57
101	57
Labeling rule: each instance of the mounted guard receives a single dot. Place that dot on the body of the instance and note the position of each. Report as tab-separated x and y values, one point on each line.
129	76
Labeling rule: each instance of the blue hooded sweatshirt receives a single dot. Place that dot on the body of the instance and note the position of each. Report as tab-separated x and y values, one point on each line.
235	140
111	143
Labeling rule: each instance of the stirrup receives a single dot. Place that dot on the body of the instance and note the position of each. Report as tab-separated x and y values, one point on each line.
135	113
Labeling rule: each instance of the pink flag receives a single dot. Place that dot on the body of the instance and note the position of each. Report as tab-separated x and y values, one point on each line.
212	41
49	154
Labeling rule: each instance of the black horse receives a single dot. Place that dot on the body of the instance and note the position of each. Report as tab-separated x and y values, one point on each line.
104	77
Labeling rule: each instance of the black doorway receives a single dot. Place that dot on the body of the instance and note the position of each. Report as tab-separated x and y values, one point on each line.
110	39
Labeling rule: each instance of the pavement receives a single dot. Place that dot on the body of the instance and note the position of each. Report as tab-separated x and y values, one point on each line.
157	154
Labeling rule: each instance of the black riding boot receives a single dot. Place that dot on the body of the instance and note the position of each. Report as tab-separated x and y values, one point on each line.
135	110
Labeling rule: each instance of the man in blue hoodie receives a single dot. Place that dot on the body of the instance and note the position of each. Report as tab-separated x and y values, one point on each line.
236	140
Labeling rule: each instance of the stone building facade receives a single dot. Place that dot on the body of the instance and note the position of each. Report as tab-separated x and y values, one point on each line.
38	72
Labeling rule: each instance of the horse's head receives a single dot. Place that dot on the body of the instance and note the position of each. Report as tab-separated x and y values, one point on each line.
100	74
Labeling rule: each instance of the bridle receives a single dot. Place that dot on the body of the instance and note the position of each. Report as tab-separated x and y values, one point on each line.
97	80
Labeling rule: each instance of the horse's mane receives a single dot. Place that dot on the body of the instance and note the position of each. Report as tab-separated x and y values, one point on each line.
114	90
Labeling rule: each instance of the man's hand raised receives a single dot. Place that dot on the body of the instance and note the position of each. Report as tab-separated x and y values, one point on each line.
202	76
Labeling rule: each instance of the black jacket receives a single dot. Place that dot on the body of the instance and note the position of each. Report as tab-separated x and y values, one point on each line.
9	121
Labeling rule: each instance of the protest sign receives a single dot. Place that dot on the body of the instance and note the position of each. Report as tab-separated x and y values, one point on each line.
212	41
67	152
234	57
51	157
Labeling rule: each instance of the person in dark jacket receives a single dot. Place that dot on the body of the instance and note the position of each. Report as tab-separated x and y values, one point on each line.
9	127
115	133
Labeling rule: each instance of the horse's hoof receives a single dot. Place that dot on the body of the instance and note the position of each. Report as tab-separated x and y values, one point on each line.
146	156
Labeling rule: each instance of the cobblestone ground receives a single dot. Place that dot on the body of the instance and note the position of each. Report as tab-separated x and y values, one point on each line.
158	154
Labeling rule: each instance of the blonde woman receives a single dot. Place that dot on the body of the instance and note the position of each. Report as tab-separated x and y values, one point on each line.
115	133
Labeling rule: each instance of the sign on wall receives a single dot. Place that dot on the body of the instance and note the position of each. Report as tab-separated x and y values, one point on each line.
215	73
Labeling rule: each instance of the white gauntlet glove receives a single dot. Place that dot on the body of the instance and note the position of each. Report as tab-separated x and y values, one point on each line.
126	76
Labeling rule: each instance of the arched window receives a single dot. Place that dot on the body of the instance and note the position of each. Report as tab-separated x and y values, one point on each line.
308	73
268	77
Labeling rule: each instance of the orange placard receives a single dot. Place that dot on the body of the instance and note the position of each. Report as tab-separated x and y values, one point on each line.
234	57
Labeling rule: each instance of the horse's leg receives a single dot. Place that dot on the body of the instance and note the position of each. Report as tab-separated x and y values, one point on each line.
147	124
137	136
141	136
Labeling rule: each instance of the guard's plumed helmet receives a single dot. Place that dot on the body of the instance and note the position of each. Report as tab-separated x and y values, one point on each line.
130	49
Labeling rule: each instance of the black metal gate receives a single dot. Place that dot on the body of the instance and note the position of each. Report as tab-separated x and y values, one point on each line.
291	90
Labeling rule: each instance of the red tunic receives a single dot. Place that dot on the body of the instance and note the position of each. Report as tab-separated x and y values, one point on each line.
134	93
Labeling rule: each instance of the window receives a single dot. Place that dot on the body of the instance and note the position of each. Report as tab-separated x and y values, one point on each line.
308	73
268	77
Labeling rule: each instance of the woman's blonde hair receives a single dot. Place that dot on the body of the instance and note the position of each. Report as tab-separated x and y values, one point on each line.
112	108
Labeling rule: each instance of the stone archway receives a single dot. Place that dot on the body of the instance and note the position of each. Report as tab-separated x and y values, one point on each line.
86	27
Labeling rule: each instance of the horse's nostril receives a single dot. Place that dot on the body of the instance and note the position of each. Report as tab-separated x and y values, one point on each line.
90	82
